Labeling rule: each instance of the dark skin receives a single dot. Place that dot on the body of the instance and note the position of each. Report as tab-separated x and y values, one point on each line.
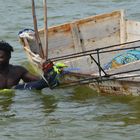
10	75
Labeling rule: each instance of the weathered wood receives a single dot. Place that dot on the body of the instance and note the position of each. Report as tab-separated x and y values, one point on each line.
85	34
93	33
132	30
41	52
45	30
76	38
122	28
118	87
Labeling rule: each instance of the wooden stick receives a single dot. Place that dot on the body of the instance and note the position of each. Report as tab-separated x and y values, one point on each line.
38	41
45	29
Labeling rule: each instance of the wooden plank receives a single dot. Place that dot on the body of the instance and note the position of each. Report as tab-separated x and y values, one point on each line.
122	28
45	30
132	30
76	38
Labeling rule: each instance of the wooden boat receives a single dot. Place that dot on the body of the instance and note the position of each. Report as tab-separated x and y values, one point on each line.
86	45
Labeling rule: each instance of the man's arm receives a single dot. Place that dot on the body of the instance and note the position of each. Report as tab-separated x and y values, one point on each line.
27	76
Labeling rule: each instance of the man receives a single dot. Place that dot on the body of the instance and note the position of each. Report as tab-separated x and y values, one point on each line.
10	75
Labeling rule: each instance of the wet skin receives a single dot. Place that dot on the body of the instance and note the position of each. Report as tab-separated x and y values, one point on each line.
10	75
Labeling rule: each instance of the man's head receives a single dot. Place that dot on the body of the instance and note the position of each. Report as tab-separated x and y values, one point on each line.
5	52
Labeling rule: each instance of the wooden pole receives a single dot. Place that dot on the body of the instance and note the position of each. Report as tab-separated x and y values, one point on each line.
45	29
38	41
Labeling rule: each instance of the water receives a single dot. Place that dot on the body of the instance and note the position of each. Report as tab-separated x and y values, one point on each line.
65	114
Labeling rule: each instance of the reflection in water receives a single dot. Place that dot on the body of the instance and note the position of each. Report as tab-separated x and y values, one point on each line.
83	93
49	103
50	114
121	110
6	100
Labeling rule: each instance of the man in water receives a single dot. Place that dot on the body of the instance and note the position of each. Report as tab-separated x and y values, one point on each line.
10	75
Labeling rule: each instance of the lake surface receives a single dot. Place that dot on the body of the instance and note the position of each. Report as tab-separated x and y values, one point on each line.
66	114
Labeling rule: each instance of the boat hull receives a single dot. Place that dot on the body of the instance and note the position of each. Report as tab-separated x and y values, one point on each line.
117	87
92	33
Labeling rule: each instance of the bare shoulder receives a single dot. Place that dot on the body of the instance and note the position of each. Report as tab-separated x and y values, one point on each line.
23	73
18	69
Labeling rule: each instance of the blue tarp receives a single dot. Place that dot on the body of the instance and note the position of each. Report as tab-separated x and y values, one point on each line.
123	58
